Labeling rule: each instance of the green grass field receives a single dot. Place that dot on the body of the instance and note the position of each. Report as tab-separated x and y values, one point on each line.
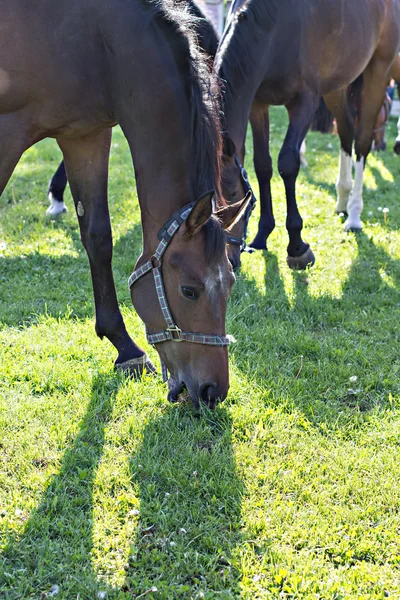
290	489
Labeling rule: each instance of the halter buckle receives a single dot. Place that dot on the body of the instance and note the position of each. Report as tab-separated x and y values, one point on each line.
175	333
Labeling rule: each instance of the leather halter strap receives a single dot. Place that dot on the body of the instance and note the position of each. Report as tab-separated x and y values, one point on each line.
172	332
236	241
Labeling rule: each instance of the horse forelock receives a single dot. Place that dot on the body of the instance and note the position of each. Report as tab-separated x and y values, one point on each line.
214	238
201	90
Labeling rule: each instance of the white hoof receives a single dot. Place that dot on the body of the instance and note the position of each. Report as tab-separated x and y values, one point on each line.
56	208
353	224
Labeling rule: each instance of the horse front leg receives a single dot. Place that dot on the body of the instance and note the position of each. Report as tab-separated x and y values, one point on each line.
56	190
300	111
259	119
86	162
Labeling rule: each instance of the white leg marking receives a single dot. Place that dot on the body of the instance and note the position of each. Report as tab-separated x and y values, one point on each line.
355	204
56	207
344	181
303	150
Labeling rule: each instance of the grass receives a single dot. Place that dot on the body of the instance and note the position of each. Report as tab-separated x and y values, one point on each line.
290	489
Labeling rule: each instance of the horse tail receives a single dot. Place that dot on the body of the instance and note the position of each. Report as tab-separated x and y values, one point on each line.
354	95
323	119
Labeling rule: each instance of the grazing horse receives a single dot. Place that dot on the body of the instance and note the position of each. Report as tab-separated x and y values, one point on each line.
291	53
81	67
208	42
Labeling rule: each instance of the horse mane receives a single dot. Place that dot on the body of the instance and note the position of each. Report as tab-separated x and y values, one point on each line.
236	57
179	27
207	36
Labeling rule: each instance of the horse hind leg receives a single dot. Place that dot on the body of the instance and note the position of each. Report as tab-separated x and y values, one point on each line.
338	104
303	152
56	190
374	89
86	162
397	142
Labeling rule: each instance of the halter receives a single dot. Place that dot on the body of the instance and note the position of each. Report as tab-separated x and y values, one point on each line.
241	242
172	333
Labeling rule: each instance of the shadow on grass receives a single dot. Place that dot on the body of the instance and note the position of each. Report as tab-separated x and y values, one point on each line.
304	345
38	284
190	507
55	546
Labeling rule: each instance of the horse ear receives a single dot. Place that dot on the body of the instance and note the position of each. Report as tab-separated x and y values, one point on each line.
200	213
228	147
230	215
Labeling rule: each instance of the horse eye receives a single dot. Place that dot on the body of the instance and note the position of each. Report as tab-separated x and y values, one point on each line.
189	292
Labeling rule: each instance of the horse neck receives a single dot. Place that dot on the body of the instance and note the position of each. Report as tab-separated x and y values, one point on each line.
240	89
156	121
163	177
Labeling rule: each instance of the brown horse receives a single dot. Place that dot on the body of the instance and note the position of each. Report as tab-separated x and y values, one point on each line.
208	42
290	53
82	67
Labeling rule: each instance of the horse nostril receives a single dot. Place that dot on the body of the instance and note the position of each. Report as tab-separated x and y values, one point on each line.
208	393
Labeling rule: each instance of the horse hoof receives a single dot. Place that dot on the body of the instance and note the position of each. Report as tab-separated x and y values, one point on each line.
56	207
397	147
353	227
299	263
258	243
136	366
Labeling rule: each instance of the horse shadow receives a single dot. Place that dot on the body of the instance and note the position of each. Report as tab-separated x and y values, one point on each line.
308	341
57	284
184	473
190	507
55	548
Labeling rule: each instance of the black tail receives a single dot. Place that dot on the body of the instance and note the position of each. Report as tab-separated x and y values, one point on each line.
354	94
323	119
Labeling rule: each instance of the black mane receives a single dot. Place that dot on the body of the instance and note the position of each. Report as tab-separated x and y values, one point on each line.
235	60
179	26
207	36
215	241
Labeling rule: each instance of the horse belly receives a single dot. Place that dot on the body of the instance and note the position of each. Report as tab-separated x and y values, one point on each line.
56	78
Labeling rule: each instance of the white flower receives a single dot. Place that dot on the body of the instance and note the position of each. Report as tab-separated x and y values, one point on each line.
182	531
134	512
102	595
380	208
231	339
353	378
385	210
54	590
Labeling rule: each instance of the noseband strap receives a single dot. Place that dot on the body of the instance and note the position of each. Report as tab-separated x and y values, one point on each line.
172	332
241	242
